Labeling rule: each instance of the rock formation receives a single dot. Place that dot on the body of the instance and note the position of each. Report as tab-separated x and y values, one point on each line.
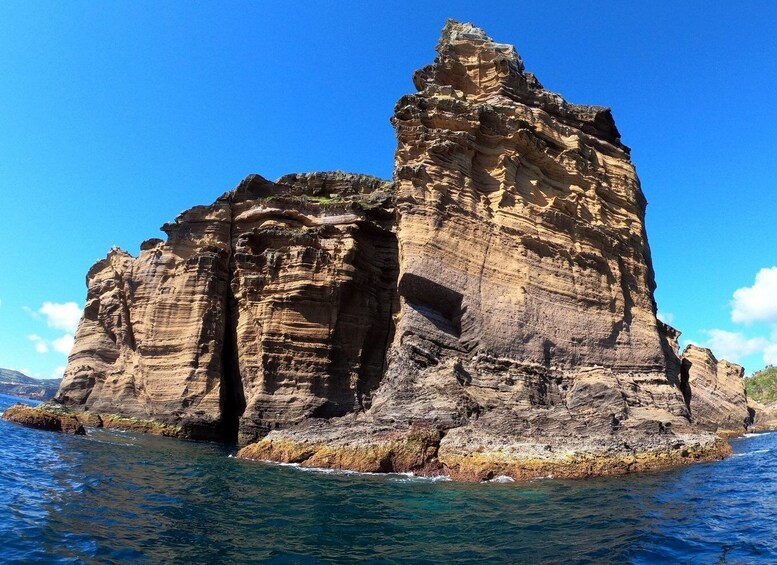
764	416
269	306
715	391
48	416
491	312
527	326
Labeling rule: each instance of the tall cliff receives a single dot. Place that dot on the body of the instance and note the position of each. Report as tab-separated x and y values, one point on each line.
715	391
491	312
269	306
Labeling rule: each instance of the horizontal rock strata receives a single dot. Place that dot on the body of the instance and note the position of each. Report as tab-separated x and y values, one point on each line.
715	392
269	306
489	313
527	331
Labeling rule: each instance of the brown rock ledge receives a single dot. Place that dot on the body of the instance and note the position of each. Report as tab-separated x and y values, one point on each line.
48	416
424	453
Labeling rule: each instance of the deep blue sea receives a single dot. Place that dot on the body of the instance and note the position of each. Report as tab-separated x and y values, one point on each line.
113	497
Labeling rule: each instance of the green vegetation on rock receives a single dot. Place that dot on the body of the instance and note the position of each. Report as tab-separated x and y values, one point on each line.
762	386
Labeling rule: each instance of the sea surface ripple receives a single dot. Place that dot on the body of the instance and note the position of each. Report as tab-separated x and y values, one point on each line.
113	497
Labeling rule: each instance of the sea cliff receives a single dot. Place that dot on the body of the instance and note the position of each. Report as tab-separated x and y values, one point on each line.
488	312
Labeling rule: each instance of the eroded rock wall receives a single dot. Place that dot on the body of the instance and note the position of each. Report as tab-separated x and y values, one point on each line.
715	391
490	313
314	274
526	281
151	337
269	306
526	337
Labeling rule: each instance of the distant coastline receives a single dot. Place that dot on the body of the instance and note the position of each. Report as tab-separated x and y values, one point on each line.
16	383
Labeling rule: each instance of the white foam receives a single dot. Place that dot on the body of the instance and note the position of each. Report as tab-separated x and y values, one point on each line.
502	479
395	477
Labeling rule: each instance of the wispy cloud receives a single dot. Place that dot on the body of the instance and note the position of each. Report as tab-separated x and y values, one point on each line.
63	344
40	344
756	304
64	316
666	317
733	346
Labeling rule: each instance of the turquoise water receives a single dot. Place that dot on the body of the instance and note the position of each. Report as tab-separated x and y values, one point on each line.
114	497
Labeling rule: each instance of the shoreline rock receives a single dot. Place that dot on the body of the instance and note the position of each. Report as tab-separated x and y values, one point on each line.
47	416
421	453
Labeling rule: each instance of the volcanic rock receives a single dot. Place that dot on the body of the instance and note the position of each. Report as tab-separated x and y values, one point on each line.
48	416
527	327
764	416
491	312
715	391
269	306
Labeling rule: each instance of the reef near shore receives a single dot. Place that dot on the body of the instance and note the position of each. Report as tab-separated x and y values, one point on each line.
488	312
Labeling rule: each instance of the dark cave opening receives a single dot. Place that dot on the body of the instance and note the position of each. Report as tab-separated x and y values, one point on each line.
685	387
231	395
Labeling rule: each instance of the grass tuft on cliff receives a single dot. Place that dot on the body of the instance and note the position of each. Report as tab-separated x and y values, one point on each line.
762	386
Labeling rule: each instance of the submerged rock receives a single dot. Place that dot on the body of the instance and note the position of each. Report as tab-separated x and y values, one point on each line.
49	416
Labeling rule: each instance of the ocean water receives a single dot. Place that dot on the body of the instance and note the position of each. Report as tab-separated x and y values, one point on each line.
115	497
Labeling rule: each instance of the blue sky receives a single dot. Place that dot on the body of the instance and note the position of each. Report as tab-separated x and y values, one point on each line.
116	116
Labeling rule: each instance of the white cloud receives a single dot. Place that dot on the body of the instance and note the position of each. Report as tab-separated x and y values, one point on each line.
63	344
40	344
666	317
757	303
31	312
732	346
770	354
57	373
63	316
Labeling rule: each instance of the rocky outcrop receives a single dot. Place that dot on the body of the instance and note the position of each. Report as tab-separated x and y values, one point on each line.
269	306
715	392
491	312
48	416
527	330
764	416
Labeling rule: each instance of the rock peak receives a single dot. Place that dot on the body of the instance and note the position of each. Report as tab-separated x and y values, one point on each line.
471	65
455	33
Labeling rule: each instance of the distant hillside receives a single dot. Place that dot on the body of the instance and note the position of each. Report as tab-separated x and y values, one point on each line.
762	386
18	384
11	376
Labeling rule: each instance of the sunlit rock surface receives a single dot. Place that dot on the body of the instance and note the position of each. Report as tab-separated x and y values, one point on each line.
716	391
271	305
489	313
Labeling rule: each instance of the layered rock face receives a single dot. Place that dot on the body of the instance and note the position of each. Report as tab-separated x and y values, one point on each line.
490	313
715	391
522	241
48	416
271	305
527	328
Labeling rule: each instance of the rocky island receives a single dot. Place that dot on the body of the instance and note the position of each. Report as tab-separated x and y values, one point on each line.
488	312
